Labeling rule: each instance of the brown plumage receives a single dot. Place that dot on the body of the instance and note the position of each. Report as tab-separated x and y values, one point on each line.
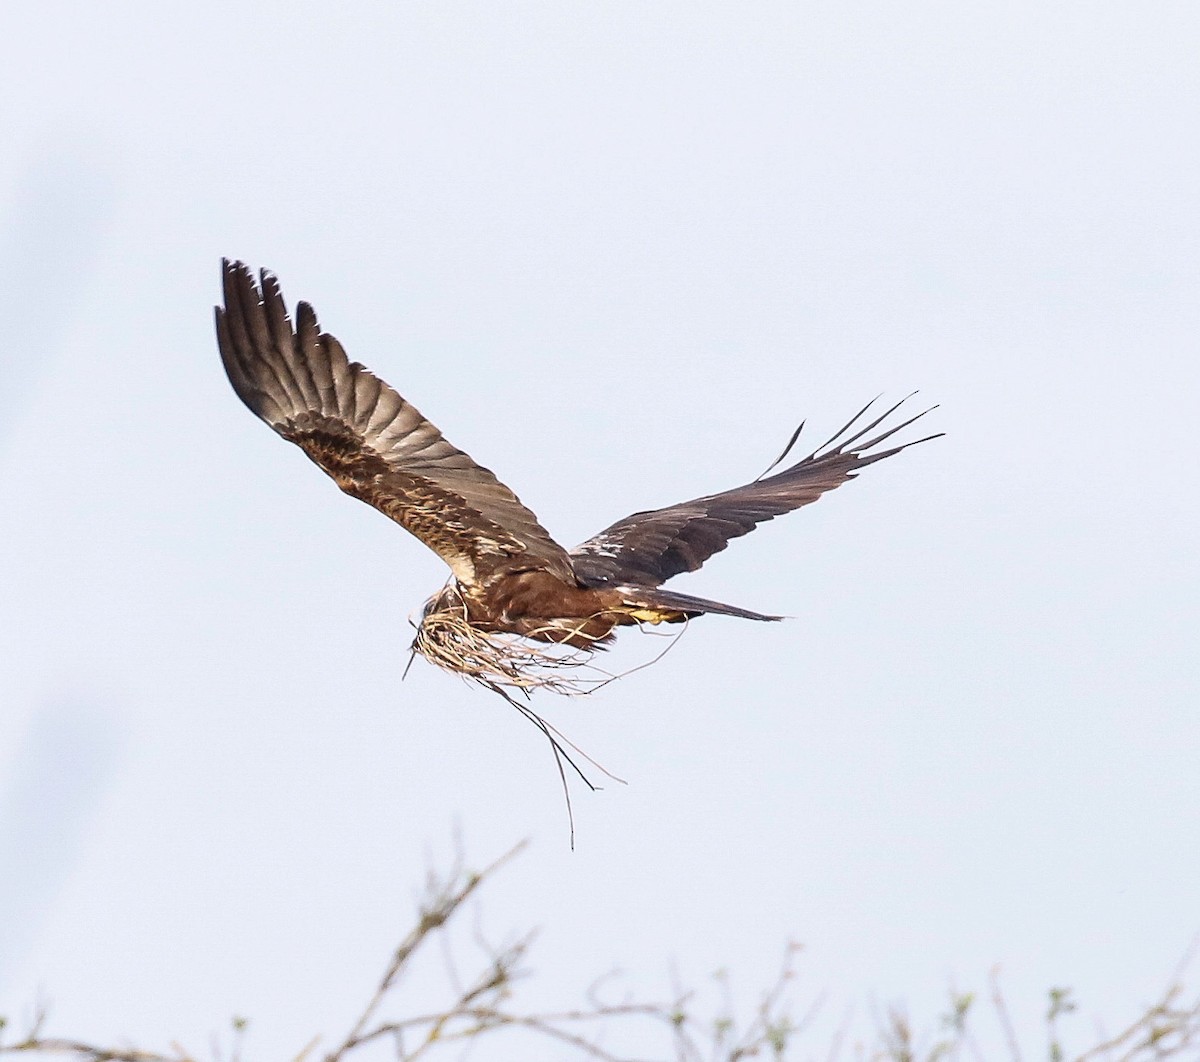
509	576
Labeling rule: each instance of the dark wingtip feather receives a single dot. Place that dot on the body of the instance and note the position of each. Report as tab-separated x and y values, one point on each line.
865	459
862	451
841	443
786	450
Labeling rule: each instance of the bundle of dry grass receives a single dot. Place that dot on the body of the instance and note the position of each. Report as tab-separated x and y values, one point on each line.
447	638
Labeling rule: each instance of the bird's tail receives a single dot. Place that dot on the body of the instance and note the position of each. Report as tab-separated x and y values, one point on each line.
652	604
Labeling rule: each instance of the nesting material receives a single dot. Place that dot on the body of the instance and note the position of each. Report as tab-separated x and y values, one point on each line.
446	637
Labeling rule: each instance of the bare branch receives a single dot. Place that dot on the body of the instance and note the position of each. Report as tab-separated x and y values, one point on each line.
686	1027
443	899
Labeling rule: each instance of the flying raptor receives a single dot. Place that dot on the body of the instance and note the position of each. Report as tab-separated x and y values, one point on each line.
517	600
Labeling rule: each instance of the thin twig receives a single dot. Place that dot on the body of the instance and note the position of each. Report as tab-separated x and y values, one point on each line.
1001	1008
433	917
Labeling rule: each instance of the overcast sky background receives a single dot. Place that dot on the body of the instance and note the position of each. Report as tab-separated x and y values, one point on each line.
616	252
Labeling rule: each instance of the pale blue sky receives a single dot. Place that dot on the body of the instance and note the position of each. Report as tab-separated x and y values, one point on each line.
616	252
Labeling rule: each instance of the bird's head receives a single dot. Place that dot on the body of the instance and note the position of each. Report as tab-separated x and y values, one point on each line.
447	599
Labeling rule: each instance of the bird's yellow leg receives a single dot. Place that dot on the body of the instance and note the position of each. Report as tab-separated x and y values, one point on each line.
656	615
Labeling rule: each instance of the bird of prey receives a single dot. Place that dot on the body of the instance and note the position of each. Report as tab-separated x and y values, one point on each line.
513	586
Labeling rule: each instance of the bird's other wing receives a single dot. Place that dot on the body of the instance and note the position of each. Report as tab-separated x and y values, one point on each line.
646	549
373	443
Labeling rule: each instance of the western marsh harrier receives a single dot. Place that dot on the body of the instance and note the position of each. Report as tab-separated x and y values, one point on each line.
519	605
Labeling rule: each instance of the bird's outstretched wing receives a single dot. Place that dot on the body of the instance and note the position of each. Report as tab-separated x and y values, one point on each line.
373	444
646	549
